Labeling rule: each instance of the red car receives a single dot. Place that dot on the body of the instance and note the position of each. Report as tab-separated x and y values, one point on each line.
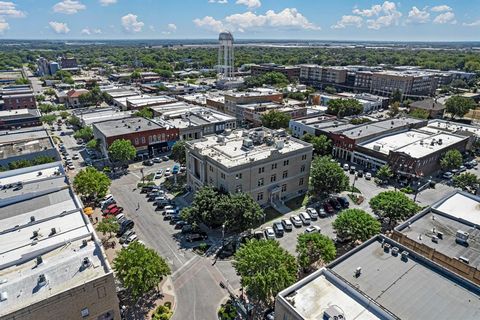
328	208
114	211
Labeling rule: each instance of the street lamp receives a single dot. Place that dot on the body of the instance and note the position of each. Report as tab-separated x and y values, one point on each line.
355	177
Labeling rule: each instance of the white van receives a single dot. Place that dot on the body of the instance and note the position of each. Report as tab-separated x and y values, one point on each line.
305	217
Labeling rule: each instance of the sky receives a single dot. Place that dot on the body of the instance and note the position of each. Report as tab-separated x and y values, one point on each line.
408	20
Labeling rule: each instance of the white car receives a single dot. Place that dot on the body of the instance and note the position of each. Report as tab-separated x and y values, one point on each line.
157	160
168	172
368	176
158	174
75	156
71	167
129	240
287	224
296	221
313	213
312	229
269	233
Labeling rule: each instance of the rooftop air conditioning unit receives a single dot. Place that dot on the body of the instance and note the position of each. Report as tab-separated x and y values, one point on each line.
86	262
462	237
84	242
39	260
395	251
35	233
386	247
42	280
464	259
405	255
53	231
32	219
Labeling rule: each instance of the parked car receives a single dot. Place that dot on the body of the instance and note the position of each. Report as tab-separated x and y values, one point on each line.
124	237
328	207
334	203
312	229
113	211
130	239
296	221
110	207
305	217
125	226
360	173
287	225
167	172
368	176
183	169
75	156
157	160
313	213
259	235
174	219
447	175
71	167
165	158
455	171
180	224
343	202
196	236
175	169
148	163
269	233
278	228
158	174
352	169
462	169
346	167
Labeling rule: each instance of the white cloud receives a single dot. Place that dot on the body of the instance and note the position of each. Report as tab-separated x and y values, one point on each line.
9	9
69	7
348	21
3	25
59	27
87	31
418	16
131	24
472	24
105	3
441	8
218	1
209	23
172	27
251	4
446	17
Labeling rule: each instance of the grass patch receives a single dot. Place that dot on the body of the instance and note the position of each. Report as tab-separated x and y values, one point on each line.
408	190
150	176
357	199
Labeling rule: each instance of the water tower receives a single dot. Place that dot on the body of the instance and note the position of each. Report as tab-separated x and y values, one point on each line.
225	55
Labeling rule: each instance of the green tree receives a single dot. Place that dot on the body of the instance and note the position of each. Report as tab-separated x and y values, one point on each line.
270	78
265	269
86	134
394	109
314	249
48	118
145	113
356	224
74	121
64	114
122	151
179	152
393	205
322	145
93	144
22	81
49	92
327	177
466	181
239	210
275	120
451	160
330	90
139	269
344	107
91	183
108	225
419	114
458	106
384	173
45	108
136	75
40	98
396	96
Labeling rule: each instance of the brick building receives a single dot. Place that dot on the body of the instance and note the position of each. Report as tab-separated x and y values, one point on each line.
291	72
147	136
234	100
19	101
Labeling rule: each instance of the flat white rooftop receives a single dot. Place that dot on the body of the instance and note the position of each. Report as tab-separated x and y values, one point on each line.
396	141
454	127
461	206
431	144
31	174
312	300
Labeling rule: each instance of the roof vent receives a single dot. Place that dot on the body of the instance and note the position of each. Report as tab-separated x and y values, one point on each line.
462	237
35	233
464	259
39	260
395	251
386	247
86	263
358	272
32	219
440	235
53	231
84	242
405	255
42	280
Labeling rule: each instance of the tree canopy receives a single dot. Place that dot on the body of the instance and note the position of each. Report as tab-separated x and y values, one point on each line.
270	78
265	269
419	114
145	113
314	249
108	225
466	181
384	173
356	224
327	176
275	120
86	134
179	152
344	107
451	160
91	183
458	106
140	269
322	145
122	150
393	205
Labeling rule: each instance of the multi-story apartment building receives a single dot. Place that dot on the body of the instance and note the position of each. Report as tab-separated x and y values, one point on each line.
291	72
147	136
259	95
267	164
408	83
316	75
